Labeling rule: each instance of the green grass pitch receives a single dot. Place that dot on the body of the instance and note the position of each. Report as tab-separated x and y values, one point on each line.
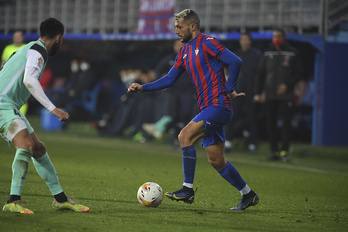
308	194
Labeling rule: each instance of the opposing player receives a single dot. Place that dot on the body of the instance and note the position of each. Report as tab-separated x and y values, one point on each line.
19	78
203	57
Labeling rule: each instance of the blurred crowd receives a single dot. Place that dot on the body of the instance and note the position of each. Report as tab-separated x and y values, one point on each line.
91	82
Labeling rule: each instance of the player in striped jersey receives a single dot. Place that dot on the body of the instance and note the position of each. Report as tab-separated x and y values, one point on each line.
19	78
203	58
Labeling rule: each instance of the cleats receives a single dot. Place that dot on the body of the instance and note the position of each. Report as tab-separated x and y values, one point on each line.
17	207
247	201
184	194
69	205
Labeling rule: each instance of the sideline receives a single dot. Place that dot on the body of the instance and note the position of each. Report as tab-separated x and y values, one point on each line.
114	144
287	166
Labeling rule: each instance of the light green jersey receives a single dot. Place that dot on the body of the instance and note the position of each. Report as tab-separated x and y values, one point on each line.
13	92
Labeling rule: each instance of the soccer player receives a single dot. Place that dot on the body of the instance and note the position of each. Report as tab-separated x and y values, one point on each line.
203	57
19	78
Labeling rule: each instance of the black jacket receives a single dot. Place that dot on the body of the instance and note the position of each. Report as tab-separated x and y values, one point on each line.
247	74
276	68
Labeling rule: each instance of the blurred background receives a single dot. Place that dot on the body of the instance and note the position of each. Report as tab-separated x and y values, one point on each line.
110	44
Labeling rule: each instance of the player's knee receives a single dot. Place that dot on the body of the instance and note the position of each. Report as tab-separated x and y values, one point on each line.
28	144
40	150
184	138
217	163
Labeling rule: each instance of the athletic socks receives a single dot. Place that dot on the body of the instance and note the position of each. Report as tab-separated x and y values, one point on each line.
45	169
19	171
231	174
14	198
61	197
48	173
189	165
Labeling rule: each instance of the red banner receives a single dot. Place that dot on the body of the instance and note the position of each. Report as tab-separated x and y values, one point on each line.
156	16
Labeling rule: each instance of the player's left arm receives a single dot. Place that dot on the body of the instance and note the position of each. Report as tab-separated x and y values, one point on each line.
32	73
234	66
220	52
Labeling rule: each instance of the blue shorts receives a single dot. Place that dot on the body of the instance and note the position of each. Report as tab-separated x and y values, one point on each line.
214	119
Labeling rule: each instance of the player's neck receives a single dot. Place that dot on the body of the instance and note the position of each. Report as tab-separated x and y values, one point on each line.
194	35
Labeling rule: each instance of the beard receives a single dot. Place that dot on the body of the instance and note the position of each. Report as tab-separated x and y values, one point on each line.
55	48
186	37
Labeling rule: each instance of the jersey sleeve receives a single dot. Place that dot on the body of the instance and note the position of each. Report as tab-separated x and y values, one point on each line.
33	69
234	66
36	57
164	82
213	47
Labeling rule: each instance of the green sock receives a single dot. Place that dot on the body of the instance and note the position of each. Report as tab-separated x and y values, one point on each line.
48	173
20	170
161	124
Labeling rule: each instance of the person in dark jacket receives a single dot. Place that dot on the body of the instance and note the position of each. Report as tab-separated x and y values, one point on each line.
245	115
278	72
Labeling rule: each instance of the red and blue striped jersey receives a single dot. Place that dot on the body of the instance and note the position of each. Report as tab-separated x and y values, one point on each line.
201	59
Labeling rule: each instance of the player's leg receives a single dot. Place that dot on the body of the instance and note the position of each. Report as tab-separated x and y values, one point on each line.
17	133
272	120
188	135
286	115
47	172
217	159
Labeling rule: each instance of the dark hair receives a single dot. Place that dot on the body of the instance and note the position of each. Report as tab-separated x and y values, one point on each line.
281	31
246	34
51	27
188	15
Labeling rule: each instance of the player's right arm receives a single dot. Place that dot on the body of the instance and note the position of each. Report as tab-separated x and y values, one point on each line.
162	83
33	68
135	88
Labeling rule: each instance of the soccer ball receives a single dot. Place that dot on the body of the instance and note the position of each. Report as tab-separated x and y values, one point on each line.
150	194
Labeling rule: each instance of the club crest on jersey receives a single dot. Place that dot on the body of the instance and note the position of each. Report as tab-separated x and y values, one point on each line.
40	62
196	51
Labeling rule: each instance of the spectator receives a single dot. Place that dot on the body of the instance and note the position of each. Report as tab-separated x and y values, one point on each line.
10	49
132	112
278	72
82	78
244	120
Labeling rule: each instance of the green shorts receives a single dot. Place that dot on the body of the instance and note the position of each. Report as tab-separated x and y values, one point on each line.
6	117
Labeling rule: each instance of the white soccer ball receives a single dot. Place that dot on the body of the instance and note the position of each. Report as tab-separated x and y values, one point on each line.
150	194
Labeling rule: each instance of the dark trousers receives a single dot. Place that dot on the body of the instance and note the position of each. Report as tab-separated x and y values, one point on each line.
279	110
245	117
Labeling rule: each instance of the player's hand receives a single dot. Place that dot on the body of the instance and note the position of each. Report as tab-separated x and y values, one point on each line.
62	115
282	89
234	95
135	88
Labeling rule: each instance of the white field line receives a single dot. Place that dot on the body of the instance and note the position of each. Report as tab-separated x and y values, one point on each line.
108	144
286	166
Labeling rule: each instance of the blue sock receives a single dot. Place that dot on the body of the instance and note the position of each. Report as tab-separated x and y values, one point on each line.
189	165
20	170
48	173
231	174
